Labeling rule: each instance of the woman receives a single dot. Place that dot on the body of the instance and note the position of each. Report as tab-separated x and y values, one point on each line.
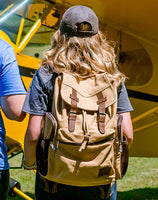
78	48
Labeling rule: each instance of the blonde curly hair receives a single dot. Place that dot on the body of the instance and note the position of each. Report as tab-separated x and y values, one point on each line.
82	56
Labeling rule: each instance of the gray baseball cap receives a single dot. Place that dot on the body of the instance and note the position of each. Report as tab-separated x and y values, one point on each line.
79	21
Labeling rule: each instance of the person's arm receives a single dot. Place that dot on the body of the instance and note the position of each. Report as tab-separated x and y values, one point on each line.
127	127
12	106
36	104
31	139
12	90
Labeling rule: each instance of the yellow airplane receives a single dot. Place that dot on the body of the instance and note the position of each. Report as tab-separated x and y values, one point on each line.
28	24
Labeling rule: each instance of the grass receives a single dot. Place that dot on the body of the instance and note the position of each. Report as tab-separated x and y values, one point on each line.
140	182
26	178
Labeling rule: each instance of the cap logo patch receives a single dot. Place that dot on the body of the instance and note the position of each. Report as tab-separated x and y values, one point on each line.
84	26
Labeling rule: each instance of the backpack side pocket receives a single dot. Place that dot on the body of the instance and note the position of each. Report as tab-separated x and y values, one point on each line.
122	156
47	134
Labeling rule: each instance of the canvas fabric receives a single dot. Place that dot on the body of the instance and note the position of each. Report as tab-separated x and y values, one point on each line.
82	135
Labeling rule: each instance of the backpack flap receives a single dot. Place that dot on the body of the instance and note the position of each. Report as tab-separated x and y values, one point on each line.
87	91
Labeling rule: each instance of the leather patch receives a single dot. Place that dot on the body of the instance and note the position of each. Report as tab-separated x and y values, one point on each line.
104	171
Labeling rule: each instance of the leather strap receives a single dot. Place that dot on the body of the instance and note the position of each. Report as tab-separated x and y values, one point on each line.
73	110
102	114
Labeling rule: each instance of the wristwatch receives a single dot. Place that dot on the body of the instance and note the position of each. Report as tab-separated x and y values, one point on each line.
34	166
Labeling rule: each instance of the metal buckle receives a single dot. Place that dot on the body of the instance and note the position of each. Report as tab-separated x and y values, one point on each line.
102	113
72	112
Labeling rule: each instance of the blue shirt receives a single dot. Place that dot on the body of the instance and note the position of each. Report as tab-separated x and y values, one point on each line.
10	84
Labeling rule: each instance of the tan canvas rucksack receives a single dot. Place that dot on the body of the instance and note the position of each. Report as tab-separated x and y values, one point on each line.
81	142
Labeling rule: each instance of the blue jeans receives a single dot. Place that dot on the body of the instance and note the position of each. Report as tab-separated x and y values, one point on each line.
113	192
4	184
72	192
